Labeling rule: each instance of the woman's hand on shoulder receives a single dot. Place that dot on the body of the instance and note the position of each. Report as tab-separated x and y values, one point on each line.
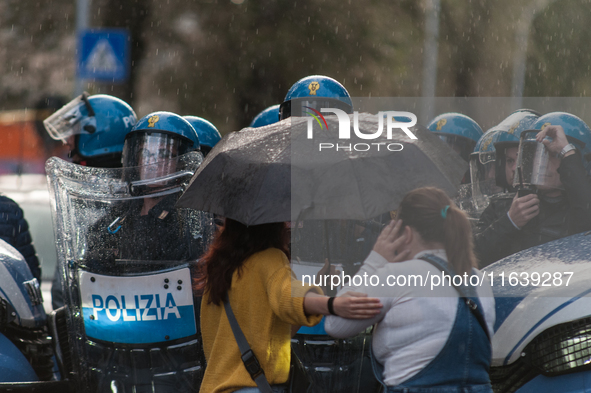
356	305
390	243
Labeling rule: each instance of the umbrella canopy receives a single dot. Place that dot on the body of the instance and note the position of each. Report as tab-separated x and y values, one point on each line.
276	173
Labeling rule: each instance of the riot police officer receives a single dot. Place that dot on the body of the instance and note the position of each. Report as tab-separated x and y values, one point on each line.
341	242
488	162
556	205
127	256
94	127
338	241
148	230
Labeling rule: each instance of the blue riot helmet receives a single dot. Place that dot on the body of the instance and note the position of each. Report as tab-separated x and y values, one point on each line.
517	121
488	161
459	131
207	133
482	167
159	136
316	92
506	143
266	117
95	127
576	130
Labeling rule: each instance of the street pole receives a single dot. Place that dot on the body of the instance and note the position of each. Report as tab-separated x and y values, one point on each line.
430	59
82	18
528	15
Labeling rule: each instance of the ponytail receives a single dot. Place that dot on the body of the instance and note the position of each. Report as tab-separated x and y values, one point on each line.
433	215
457	237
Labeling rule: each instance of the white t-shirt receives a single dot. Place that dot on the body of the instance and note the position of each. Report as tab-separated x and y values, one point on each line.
415	322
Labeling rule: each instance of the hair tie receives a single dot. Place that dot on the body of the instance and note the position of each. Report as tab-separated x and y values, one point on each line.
444	212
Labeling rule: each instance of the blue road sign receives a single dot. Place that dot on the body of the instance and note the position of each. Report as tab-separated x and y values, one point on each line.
104	55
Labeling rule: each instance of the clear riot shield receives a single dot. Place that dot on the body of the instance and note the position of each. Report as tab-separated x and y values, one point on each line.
483	183
126	254
472	205
333	365
537	168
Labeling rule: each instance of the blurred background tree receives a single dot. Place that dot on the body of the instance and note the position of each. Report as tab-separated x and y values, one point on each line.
559	62
227	60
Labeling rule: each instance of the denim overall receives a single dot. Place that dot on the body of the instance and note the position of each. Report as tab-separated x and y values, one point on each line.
462	364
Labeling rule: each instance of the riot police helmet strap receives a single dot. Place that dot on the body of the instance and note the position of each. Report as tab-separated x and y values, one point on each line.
89	108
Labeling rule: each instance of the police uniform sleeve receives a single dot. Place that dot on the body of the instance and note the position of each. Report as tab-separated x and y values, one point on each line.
578	192
494	234
15	231
25	246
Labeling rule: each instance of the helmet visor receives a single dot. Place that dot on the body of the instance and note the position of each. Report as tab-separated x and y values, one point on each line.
482	176
150	150
151	161
74	118
536	166
482	166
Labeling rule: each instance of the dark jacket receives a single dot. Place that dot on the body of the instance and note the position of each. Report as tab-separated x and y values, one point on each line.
161	235
14	230
496	237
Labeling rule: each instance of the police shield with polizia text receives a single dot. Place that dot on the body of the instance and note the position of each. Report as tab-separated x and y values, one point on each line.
126	255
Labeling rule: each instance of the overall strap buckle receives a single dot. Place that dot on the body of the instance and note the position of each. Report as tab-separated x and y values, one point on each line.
252	364
472	304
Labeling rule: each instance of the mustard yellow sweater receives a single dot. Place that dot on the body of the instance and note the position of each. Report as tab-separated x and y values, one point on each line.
266	300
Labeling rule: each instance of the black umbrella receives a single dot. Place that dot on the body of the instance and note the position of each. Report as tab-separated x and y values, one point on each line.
275	173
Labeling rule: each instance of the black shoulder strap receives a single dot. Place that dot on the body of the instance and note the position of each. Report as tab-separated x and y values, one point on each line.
251	363
466	293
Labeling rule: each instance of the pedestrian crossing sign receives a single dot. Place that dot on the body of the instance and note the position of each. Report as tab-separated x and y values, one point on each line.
104	55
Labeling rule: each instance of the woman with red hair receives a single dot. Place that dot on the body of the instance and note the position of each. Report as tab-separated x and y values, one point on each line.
250	265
